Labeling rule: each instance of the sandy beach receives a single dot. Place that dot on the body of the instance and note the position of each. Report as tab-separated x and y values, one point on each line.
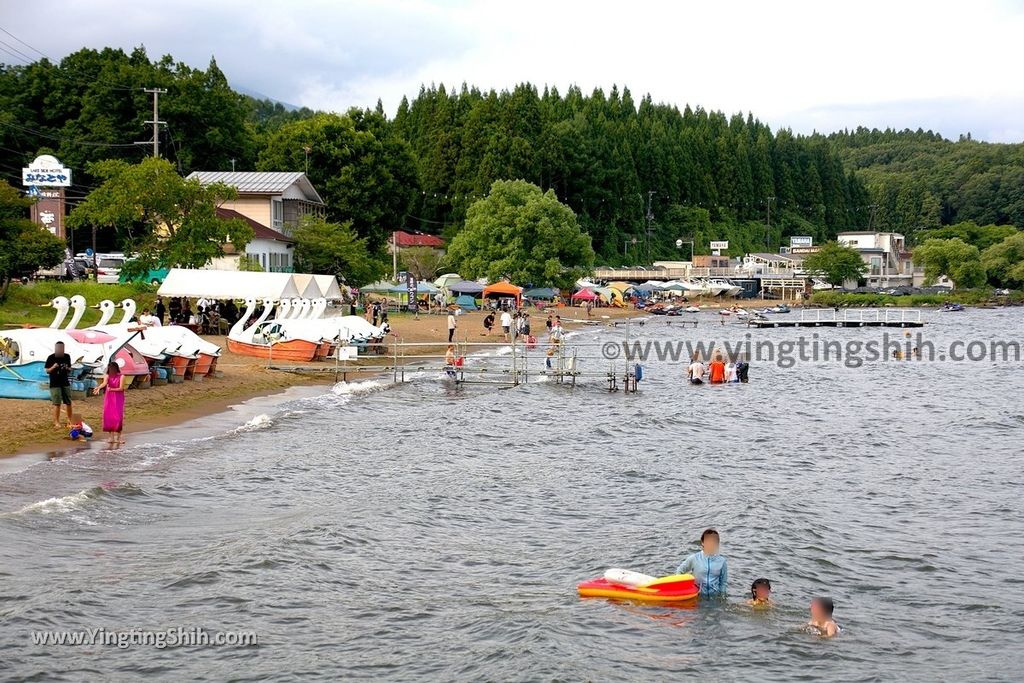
29	428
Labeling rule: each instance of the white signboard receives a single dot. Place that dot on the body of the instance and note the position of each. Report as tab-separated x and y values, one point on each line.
801	241
46	171
724	244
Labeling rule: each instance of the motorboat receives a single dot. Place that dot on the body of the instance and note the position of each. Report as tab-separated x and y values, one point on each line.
780	308
729	289
952	307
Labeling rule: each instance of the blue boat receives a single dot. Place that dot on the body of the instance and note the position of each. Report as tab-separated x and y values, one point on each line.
31	381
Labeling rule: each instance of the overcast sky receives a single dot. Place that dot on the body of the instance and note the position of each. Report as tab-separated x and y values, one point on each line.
953	67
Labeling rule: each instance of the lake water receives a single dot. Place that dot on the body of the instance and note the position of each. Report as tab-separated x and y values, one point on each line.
428	532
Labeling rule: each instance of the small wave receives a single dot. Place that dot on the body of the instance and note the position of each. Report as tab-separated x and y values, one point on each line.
261	421
358	388
62	504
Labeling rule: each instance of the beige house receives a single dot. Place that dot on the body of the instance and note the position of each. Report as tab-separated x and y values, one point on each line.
276	199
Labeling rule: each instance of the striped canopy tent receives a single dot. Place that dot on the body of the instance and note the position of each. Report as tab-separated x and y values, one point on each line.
503	290
307	286
584	295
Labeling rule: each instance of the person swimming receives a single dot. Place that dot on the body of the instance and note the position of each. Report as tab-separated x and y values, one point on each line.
707	566
760	593
821	617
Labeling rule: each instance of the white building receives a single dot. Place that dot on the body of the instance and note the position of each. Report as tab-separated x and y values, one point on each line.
885	253
272	250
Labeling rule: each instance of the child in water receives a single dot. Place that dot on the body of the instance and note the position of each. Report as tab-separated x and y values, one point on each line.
760	593
80	431
821	617
707	566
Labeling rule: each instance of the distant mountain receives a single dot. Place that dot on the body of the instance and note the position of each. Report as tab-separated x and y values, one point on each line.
256	95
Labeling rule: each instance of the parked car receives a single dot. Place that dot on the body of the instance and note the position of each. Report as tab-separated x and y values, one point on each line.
153	277
108	268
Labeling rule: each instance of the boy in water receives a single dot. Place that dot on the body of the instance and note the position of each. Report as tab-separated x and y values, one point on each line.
707	566
760	593
821	617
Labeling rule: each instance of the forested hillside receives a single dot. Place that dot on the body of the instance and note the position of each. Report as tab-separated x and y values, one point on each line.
919	181
638	174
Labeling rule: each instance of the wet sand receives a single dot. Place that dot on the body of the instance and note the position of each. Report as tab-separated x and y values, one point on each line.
28	425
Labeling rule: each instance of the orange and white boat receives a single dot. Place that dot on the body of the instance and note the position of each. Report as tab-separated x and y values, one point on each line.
268	340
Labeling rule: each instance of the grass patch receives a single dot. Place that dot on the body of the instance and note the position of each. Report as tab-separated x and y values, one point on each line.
968	297
25	303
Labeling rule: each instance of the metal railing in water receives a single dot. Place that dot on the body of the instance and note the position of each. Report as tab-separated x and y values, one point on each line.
517	363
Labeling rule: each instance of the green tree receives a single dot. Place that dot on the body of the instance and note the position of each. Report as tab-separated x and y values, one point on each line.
981	236
162	220
24	246
423	262
524	234
1004	262
365	173
837	263
954	258
335	249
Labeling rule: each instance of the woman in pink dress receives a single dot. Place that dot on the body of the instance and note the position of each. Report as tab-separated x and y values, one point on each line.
113	403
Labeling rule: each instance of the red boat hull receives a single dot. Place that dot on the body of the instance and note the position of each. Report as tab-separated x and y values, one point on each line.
293	349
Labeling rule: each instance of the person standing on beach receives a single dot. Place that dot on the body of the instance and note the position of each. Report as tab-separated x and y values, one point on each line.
57	366
376	312
113	403
489	322
160	309
506	324
452	324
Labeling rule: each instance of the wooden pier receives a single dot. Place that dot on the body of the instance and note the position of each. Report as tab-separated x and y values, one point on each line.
848	318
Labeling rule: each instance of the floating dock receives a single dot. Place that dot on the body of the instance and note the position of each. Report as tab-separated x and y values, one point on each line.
846	318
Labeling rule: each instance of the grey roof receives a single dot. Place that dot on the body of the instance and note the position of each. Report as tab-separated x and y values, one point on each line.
260	182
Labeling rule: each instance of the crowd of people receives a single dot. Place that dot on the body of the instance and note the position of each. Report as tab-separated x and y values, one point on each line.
718	371
709	569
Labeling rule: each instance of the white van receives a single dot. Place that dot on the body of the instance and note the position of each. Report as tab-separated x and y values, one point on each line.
108	268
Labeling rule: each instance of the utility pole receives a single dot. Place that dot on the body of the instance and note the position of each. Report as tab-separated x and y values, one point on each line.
394	255
232	165
768	226
649	217
156	92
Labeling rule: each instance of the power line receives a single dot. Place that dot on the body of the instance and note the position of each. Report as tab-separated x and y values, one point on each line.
22	41
84	143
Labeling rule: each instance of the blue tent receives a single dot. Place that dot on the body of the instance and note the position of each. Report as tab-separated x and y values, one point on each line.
466	302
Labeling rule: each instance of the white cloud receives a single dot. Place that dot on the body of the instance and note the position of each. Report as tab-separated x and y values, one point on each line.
800	63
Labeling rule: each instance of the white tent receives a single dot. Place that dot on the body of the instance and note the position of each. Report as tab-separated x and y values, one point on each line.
228	284
307	286
329	287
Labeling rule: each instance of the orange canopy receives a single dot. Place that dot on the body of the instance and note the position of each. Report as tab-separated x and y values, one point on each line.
503	289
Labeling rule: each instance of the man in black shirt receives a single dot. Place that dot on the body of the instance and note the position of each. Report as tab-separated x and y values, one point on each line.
160	310
58	365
